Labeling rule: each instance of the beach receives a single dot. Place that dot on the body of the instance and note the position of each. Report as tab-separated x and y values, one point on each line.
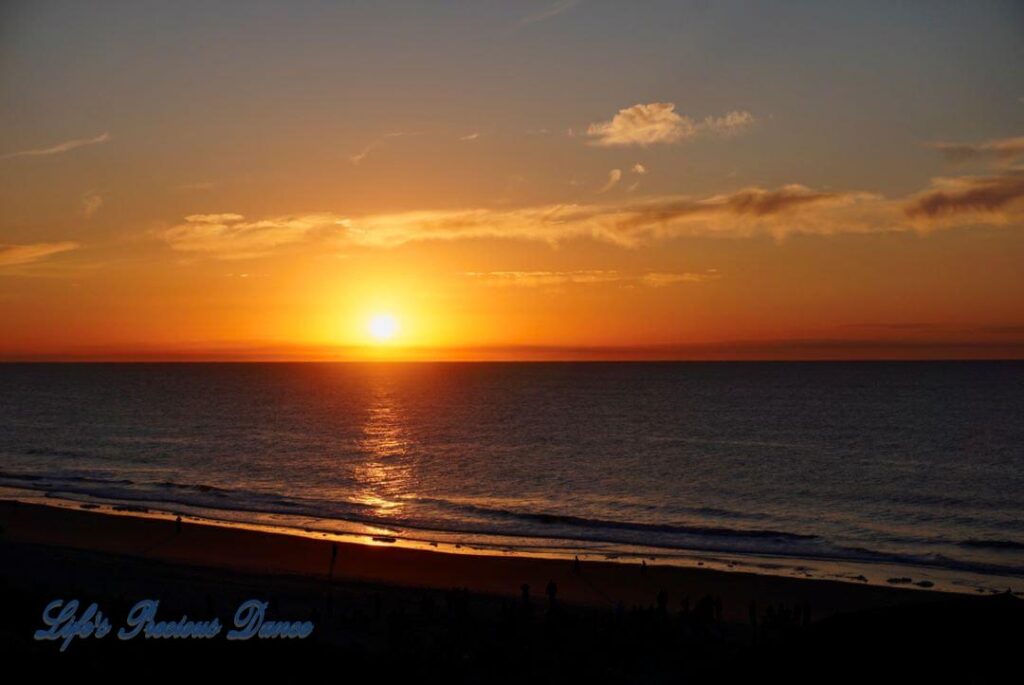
723	619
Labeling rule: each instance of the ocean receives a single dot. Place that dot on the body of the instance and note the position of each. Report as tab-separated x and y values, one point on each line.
864	471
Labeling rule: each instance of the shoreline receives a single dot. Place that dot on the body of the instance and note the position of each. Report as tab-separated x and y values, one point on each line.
594	583
436	616
886	574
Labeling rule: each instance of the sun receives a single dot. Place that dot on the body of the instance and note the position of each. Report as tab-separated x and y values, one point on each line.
383	327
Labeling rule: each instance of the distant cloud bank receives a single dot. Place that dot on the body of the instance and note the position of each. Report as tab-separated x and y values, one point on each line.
793	209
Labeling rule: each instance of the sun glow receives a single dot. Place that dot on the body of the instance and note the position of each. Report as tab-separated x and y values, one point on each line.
383	327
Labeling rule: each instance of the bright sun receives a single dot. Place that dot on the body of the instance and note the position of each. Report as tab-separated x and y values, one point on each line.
383	327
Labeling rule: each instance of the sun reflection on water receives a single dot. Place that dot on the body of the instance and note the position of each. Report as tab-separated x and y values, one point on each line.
386	474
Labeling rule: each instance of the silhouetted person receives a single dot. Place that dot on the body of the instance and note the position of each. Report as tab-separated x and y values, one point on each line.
334	558
576	565
643	566
552	591
752	613
704	613
525	590
177	525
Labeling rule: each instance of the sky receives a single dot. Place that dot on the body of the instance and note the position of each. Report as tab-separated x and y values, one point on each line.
551	179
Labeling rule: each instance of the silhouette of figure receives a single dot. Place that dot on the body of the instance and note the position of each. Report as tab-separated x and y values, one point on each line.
334	558
643	566
527	608
552	591
177	525
576	565
704	613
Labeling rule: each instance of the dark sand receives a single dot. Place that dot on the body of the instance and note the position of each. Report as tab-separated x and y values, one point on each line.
395	608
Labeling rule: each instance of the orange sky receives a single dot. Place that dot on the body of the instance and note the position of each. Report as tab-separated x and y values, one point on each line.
512	181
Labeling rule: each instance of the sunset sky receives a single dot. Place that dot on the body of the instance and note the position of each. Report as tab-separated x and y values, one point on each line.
552	179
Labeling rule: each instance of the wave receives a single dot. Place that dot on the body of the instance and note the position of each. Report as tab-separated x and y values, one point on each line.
552	519
993	544
454	517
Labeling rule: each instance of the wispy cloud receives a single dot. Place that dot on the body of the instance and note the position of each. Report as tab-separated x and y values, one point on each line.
230	236
659	123
537	279
746	213
951	197
364	153
1001	149
614	176
731	124
200	185
91	203
11	255
552	10
661	279
469	137
551	279
639	168
66	146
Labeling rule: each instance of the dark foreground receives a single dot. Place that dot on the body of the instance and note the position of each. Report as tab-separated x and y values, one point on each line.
374	631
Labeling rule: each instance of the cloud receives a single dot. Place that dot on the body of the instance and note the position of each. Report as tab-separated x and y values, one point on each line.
661	280
649	124
11	255
471	136
536	279
230	236
969	195
659	123
60	147
1002	149
546	279
91	203
614	176
199	185
639	168
553	10
361	155
746	213
729	125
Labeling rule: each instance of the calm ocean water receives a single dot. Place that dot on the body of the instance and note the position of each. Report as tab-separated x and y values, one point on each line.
919	465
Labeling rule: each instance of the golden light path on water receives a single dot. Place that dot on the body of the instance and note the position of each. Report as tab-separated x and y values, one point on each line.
386	473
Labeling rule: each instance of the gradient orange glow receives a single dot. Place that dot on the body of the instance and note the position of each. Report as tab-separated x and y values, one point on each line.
245	200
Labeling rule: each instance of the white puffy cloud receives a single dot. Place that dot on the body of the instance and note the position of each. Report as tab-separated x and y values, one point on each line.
658	122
